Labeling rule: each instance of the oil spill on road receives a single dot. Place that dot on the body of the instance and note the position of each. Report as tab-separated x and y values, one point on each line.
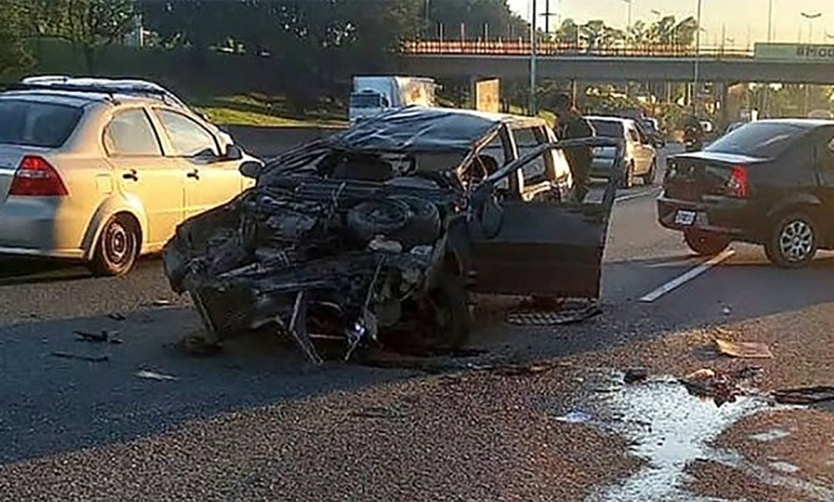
668	428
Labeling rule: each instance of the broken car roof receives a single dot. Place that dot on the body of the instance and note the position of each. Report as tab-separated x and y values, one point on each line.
418	129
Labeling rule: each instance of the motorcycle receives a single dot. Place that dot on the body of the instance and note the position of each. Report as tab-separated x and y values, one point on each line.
692	141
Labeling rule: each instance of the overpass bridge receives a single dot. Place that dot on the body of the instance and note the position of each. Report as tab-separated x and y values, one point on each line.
511	60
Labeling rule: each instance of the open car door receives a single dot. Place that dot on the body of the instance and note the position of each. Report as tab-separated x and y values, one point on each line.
544	246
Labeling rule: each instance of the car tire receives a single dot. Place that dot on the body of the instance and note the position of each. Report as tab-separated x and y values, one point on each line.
792	241
451	301
648	178
424	225
628	176
380	216
706	243
117	248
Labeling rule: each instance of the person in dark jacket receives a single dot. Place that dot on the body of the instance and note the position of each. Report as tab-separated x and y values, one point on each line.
572	125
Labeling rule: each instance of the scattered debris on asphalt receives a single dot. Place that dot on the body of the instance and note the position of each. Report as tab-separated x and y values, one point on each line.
380	234
82	357
743	350
161	302
634	375
152	375
197	345
721	386
804	395
770	436
117	316
105	336
727	311
575	417
785	467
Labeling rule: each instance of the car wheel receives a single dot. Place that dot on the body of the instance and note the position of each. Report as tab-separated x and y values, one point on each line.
449	325
706	243
628	176
792	242
117	248
648	178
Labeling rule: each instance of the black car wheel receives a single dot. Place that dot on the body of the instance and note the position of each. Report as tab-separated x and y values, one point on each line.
792	242
706	243
117	248
648	178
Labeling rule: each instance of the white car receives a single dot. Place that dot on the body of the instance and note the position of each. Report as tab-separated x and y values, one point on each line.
640	156
102	172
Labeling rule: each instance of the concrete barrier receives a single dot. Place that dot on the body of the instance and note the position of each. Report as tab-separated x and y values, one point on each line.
271	141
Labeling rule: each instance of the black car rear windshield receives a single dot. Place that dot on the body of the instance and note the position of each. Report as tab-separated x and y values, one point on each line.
608	128
758	140
32	123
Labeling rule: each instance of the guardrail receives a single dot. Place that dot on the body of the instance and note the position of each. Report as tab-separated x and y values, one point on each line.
523	48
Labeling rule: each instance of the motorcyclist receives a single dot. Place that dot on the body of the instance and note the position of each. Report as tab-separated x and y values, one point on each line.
693	133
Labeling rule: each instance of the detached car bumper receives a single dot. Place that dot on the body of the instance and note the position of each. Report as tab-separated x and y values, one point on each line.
716	214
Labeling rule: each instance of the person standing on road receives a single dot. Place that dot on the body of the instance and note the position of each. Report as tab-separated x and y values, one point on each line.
572	125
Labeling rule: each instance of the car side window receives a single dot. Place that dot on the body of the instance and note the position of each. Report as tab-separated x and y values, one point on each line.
130	133
527	140
188	138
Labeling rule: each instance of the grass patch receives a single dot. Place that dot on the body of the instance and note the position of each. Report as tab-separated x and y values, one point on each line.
265	111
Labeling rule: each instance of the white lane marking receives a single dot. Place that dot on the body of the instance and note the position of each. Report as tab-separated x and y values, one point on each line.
637	195
695	272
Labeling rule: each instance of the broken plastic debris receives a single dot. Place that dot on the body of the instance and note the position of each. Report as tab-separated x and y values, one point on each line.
575	417
745	350
117	316
82	357
805	395
161	303
151	375
104	336
784	467
701	374
727	311
769	436
634	375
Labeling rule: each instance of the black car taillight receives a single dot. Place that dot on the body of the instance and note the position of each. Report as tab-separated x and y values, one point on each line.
738	185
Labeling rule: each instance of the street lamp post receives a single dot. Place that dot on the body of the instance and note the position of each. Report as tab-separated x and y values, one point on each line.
811	17
697	70
533	57
629	2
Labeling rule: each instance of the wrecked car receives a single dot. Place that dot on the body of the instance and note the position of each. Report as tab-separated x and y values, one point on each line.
378	234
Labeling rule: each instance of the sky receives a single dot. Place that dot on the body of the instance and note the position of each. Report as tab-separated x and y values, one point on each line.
742	21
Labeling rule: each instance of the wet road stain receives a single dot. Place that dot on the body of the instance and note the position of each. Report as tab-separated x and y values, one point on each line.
669	429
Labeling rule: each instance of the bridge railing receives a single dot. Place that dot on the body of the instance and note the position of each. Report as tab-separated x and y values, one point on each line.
522	48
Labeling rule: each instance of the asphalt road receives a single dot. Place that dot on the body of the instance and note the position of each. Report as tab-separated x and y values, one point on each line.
257	423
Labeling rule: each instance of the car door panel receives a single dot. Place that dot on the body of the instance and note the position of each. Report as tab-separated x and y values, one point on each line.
142	172
209	179
547	248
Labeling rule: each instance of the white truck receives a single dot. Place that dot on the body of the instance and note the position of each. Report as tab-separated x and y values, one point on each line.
375	94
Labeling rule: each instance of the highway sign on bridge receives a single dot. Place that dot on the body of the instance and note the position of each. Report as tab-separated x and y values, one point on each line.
794	53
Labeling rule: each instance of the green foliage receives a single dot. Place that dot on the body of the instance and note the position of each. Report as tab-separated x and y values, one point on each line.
596	34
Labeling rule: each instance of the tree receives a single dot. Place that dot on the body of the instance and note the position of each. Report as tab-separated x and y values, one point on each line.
14	56
88	25
597	35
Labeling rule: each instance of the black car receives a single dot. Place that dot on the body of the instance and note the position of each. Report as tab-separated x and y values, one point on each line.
770	182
